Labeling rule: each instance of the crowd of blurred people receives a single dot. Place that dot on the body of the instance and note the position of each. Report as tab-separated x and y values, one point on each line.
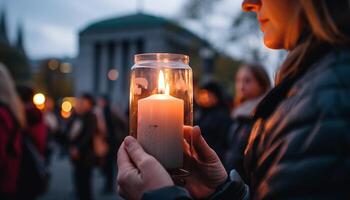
92	134
30	135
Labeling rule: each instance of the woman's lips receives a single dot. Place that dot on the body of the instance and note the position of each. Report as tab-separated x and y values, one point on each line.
262	22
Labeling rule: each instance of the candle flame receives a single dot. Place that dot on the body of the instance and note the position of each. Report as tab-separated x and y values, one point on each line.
163	88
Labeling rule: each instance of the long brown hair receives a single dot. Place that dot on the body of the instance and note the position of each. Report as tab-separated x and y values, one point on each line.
325	23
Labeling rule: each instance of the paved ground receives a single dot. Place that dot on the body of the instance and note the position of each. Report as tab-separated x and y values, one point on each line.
61	185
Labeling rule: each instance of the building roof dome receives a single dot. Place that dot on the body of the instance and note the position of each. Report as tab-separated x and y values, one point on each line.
136	21
128	21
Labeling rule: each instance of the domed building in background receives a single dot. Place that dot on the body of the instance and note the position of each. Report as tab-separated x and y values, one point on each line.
107	49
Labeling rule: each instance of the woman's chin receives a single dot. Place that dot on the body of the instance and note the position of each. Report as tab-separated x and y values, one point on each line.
272	43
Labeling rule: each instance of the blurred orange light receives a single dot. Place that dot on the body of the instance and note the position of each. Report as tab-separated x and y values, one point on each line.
66	106
66	68
113	74
71	100
39	100
53	64
204	98
40	106
65	115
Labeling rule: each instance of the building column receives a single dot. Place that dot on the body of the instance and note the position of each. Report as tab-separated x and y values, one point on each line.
117	94
124	68
96	68
84	68
110	66
103	69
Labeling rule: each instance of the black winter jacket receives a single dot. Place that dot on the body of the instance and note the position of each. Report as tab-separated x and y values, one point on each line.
302	149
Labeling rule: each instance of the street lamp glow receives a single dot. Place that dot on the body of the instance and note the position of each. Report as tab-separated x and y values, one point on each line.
66	68
39	99
66	106
53	64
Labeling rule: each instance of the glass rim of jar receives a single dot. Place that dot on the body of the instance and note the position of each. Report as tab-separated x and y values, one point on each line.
161	58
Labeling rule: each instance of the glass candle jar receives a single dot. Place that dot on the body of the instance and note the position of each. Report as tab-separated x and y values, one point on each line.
161	103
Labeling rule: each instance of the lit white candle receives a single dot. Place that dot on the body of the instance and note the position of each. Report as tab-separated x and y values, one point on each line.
160	126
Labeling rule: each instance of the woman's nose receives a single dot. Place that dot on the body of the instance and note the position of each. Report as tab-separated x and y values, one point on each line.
251	5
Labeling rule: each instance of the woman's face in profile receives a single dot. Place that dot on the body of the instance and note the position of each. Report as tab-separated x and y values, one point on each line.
278	19
246	86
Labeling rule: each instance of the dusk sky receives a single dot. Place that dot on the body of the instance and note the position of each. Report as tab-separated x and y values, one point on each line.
51	27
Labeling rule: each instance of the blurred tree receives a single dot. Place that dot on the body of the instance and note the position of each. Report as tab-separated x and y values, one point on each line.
225	66
20	40
225	72
14	58
244	23
196	9
16	62
243	31
199	11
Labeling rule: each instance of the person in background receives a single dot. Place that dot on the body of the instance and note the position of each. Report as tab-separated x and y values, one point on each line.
120	121
50	117
80	133
214	116
52	124
299	145
12	120
35	132
252	83
114	128
36	128
111	139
